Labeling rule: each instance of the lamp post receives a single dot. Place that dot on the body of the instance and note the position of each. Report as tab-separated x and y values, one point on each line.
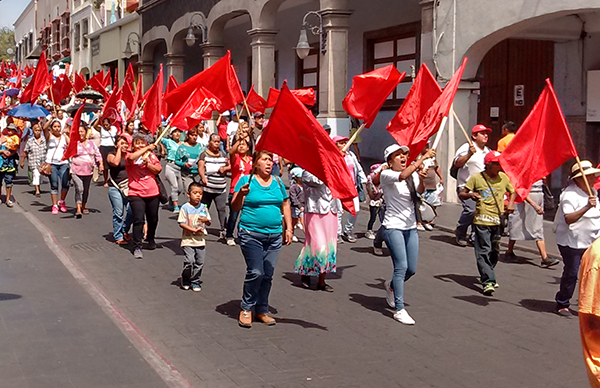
190	38
303	47
135	40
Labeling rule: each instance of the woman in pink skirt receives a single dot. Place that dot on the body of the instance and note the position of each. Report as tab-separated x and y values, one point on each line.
319	254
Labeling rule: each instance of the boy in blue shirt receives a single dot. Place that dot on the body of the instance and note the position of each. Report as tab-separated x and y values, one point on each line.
193	217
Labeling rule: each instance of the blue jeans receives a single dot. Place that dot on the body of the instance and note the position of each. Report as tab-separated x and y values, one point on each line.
122	216
60	173
404	247
260	251
568	280
466	217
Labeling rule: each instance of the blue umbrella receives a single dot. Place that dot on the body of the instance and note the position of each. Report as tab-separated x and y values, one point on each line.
29	111
11	92
13	80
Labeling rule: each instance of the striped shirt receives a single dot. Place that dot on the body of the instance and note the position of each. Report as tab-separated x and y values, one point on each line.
217	182
36	152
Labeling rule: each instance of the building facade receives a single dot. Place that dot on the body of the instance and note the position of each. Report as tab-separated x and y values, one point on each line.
25	36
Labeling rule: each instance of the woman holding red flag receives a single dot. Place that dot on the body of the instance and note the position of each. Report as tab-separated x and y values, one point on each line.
82	167
57	145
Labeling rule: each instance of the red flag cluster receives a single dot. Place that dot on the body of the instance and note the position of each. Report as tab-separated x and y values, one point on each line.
255	102
40	81
306	96
74	137
199	106
152	110
60	89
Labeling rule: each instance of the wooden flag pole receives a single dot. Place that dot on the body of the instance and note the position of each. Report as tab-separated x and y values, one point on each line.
462	127
438	137
587	184
250	118
162	134
353	138
52	98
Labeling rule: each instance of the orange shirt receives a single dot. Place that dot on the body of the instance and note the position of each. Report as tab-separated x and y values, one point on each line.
589	311
502	143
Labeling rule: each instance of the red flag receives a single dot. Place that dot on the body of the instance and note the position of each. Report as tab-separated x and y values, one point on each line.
74	138
97	83
2	101
296	135
129	75
61	88
403	127
171	85
28	71
79	82
106	80
127	96
255	102
596	184
220	79
542	144
40	82
12	66
306	96
19	83
369	91
199	106
152	110
111	109
115	85
136	100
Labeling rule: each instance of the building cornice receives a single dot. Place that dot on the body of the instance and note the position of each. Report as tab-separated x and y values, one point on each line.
148	4
121	22
23	14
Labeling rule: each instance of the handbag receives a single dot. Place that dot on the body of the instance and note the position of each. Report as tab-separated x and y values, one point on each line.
46	168
122	186
163	196
424	211
503	216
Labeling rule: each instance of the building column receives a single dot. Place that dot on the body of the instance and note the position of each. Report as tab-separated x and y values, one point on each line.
333	77
175	64
146	70
263	59
212	52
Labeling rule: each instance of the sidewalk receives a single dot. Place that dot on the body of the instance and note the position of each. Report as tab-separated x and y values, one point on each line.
52	334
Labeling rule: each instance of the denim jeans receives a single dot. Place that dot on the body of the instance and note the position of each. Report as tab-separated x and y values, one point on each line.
260	252
466	217
568	280
60	173
232	219
404	247
487	250
378	242
122	216
193	262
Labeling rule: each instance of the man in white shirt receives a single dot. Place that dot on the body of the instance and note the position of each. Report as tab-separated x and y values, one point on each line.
469	160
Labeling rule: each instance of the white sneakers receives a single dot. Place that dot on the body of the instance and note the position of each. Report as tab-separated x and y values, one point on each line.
403	317
230	241
389	295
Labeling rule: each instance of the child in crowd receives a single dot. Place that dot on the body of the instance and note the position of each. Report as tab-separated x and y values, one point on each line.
297	200
35	152
375	201
9	144
488	189
193	216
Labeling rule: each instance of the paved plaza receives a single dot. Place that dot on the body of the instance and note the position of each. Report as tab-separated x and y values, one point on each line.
54	333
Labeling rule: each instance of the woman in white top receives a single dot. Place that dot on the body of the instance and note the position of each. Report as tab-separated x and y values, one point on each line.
108	135
577	225
57	144
400	184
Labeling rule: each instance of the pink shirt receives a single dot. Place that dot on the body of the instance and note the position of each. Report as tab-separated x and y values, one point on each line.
239	168
142	182
87	156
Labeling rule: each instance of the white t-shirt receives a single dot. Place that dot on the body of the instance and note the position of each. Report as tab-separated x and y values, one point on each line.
580	234
56	150
107	139
400	208
473	166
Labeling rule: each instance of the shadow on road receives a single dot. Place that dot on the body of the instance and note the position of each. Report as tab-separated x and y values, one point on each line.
379	285
231	309
477	299
373	303
466	281
5	296
540	306
369	250
448	239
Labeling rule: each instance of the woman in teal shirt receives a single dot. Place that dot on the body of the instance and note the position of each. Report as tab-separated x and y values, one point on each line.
169	148
262	200
187	158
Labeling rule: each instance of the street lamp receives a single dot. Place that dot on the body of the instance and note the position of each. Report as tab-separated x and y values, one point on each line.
303	47
135	40
190	38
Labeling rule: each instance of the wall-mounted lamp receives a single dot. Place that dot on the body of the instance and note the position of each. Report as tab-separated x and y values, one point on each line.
135	40
190	38
303	47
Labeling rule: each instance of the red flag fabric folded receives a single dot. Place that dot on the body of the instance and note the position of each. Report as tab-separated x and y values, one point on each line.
199	106
19	83
597	183
111	109
542	144
97	83
127	96
295	134
220	79
129	75
171	85
61	88
306	96
74	137
79	82
369	91
107	79
39	83
255	102
136	100
152	110
403	127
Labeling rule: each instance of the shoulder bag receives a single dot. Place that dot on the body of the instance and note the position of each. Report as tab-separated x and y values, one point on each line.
424	211
503	216
46	168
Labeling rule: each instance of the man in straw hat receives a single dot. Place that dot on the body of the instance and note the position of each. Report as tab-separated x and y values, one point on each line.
577	225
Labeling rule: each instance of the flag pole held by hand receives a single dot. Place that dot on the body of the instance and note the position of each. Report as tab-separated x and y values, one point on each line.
438	137
353	138
587	184
462	127
162	134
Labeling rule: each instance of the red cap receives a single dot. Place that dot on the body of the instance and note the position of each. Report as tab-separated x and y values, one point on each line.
491	157
480	128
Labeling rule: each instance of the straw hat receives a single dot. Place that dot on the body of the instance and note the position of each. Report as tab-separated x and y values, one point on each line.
587	167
